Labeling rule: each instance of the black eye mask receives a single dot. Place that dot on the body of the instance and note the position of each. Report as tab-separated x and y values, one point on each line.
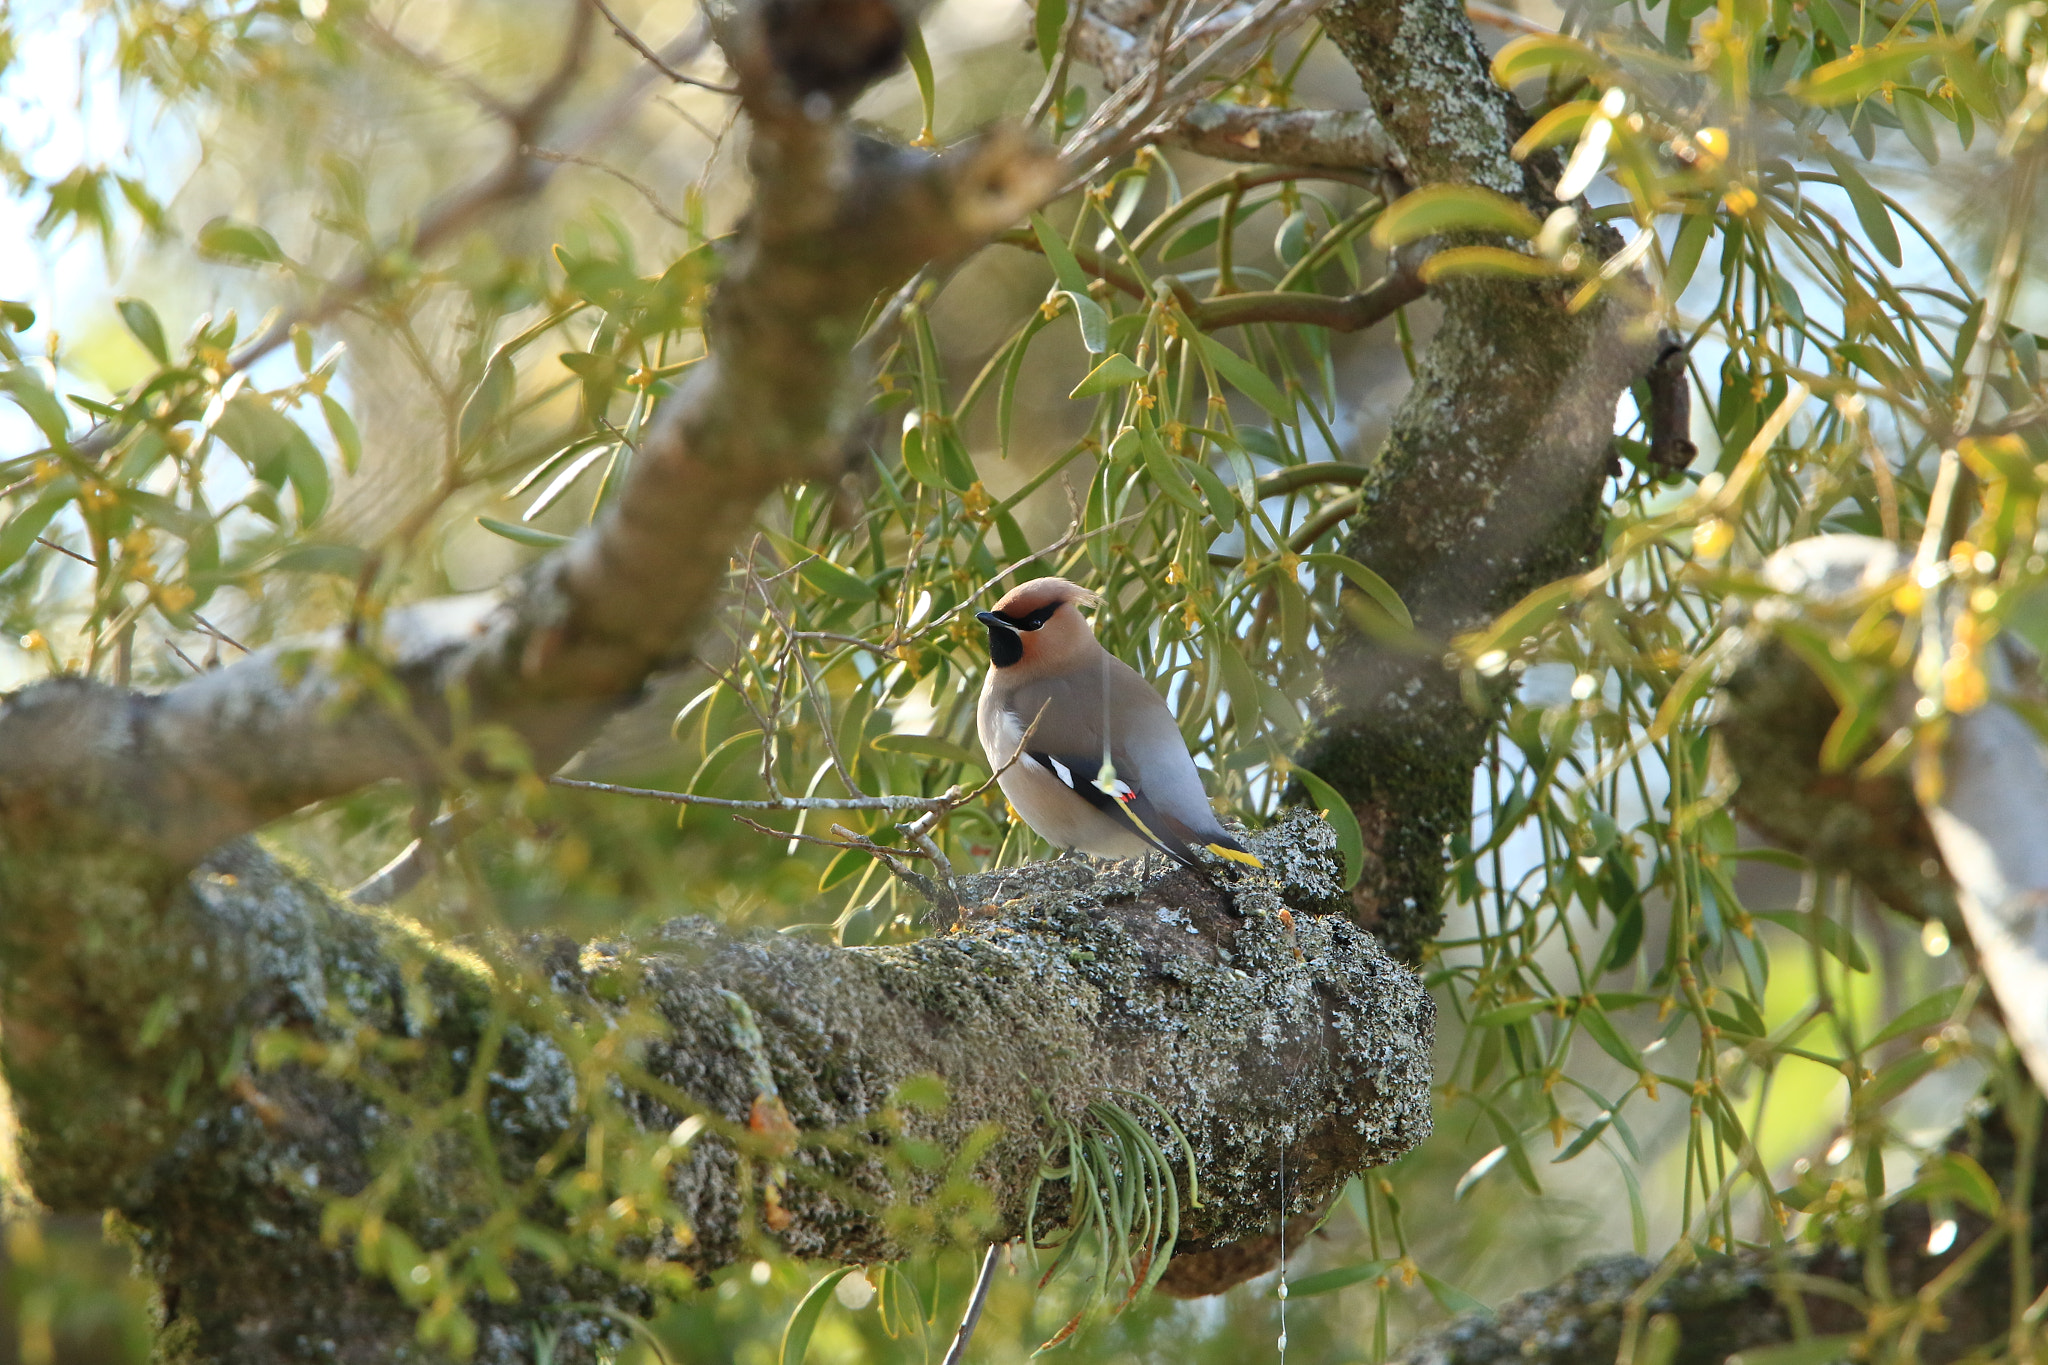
1004	646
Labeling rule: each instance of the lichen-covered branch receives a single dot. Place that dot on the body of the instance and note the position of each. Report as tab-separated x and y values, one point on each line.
131	1054
1938	1306
1488	483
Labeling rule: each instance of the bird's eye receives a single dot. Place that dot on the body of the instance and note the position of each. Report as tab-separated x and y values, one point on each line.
1039	617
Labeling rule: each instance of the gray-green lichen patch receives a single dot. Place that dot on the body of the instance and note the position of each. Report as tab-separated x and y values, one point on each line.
1269	1029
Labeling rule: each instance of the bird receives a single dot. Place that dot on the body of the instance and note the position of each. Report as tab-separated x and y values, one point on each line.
1103	768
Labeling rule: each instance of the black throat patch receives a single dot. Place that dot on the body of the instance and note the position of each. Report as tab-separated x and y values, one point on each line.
1004	648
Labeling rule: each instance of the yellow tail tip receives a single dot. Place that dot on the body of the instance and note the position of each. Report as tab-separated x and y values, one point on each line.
1235	855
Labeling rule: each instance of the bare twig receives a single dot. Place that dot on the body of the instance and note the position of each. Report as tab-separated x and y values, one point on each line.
592	163
1479	12
50	544
634	41
1370	306
388	39
518	176
956	1354
217	633
416	859
848	839
881	803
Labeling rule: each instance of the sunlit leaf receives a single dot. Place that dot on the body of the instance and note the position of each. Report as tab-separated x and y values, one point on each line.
796	1337
1436	209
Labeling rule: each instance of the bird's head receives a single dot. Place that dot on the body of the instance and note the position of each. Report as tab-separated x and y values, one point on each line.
1039	624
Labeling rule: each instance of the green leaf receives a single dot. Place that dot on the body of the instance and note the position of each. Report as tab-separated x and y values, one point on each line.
343	428
1812	1351
1198	235
1451	1298
1118	371
1686	249
312	556
1538	52
524	535
834	581
1956	1175
1860	74
26	388
21	531
900	1304
1216	493
918	459
1935	1009
1869	205
1512	1014
1247	378
1601	1030
1073	282
929	746
492	395
1047	24
1350	838
1819	929
225	239
1562	124
1166	470
1487	262
1367	582
142	321
921	67
308	473
796	1338
1065	268
1343	1277
1436	209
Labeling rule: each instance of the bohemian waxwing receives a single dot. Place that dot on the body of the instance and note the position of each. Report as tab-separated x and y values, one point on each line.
1104	768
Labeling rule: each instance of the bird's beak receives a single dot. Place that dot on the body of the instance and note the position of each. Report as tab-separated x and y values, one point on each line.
991	620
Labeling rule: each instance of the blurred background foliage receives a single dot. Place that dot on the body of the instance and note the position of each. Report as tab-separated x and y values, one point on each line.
1656	1034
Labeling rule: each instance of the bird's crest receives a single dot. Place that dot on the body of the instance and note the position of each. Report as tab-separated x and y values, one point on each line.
1040	593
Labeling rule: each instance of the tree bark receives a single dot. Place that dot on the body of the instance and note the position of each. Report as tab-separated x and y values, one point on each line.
1488	485
531	1085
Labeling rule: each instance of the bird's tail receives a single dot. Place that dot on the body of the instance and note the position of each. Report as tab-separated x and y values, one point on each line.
1223	846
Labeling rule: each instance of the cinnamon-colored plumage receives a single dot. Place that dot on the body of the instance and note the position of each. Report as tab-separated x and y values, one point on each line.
1104	768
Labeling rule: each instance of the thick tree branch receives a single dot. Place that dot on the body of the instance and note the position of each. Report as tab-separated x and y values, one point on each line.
837	221
1259	1036
1941	1307
1342	139
1488	483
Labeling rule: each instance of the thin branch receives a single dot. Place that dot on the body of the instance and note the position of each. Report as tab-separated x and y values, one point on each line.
517	177
592	163
633	41
1369	307
388	39
779	803
956	1354
1342	139
1479	12
50	544
1296	477
848	839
